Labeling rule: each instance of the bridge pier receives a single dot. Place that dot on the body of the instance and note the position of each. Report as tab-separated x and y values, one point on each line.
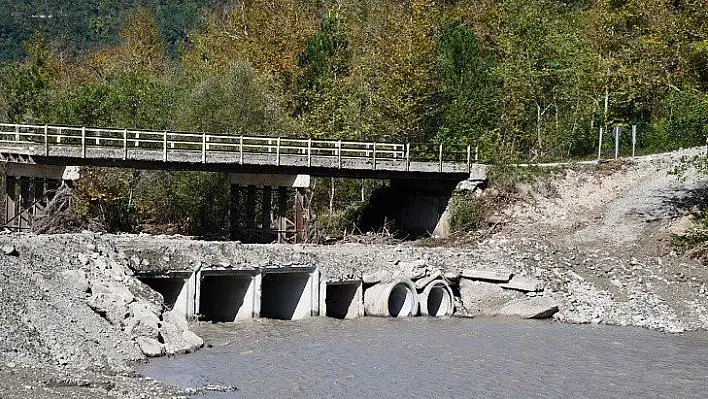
28	188
257	217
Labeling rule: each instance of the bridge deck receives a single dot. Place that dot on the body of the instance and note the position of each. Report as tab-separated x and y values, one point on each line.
65	145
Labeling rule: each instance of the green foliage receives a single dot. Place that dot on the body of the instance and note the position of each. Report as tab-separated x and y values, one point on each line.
26	86
525	80
234	103
468	213
196	202
468	89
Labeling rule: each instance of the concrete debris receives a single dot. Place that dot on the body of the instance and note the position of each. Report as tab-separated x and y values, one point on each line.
421	283
10	250
530	308
524	284
377	277
150	347
497	276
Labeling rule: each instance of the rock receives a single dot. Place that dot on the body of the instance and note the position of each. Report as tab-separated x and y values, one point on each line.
530	308
373	278
10	250
78	279
193	339
421	283
415	264
145	325
150	347
484	298
178	341
83	259
499	275
524	284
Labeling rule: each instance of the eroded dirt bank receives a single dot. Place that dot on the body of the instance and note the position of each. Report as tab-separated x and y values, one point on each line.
73	317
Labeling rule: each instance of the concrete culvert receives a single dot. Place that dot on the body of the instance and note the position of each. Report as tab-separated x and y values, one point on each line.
436	299
169	288
391	299
342	300
226	298
286	296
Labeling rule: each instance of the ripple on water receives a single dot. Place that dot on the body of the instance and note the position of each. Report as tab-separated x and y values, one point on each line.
423	357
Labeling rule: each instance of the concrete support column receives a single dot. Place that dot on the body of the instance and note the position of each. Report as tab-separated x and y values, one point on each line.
38	193
266	214
25	195
234	194
10	200
282	213
250	209
300	233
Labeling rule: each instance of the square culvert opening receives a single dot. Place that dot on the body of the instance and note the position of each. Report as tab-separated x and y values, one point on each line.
225	299
343	300
169	288
286	296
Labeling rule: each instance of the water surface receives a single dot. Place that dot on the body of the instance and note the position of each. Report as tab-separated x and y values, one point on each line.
426	357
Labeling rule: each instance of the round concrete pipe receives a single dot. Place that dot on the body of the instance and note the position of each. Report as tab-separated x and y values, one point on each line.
436	299
391	299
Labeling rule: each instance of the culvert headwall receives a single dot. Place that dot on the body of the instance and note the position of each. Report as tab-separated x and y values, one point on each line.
391	299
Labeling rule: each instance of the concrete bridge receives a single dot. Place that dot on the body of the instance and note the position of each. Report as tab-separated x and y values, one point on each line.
37	155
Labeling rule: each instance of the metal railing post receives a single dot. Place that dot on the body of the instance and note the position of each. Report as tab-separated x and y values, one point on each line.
441	158
17	133
137	139
309	152
240	150
277	152
164	146
83	142
469	159
476	154
408	157
204	140
125	144
46	140
374	156
339	154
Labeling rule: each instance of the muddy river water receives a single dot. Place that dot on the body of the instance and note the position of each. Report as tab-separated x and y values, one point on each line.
425	357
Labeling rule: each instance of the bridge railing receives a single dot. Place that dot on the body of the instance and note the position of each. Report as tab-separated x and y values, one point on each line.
165	141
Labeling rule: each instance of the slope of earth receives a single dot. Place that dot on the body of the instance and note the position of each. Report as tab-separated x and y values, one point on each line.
601	238
72	319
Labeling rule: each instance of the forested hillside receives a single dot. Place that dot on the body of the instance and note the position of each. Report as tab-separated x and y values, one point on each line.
83	25
522	79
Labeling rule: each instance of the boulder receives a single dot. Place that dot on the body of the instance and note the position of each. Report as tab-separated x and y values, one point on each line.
77	279
498	275
178	341
524	284
531	308
480	298
150	347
